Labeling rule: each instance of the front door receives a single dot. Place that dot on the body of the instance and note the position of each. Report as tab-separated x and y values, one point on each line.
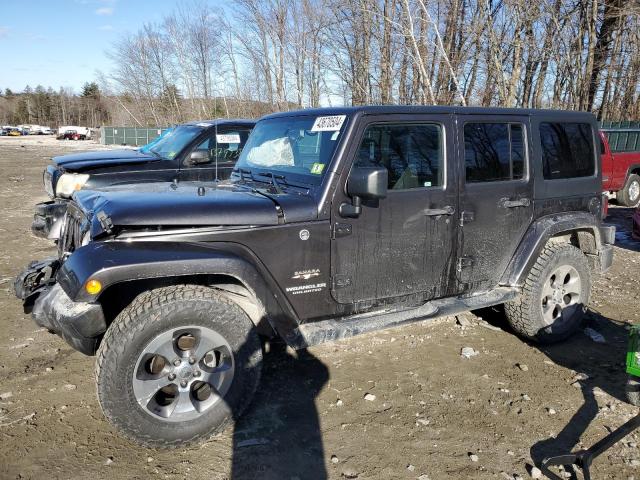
403	245
496	195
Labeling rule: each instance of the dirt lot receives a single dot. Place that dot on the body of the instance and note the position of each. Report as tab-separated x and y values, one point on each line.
435	415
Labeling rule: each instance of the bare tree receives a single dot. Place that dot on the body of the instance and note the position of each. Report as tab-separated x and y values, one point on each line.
272	55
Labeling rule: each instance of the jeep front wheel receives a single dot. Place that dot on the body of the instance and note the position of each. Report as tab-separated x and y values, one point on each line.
629	196
177	365
554	296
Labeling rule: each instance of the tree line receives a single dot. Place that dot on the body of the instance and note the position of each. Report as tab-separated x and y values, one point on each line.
46	107
264	55
258	56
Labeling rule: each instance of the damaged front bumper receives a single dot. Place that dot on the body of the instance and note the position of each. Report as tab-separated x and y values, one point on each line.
48	218
81	324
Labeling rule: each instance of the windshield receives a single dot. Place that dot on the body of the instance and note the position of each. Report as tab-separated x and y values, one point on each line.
147	148
173	142
293	146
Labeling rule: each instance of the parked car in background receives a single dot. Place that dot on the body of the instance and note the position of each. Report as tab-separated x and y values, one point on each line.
40	130
14	132
203	151
620	173
33	129
67	132
73	135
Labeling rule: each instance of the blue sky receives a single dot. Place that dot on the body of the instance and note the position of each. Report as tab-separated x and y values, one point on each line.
62	43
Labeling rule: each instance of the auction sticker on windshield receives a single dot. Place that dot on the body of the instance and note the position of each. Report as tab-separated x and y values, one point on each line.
330	123
228	138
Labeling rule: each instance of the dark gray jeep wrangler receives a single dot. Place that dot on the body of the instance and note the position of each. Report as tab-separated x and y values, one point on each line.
335	222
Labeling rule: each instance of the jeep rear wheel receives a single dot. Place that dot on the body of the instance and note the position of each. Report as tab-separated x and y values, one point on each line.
554	296
177	365
629	196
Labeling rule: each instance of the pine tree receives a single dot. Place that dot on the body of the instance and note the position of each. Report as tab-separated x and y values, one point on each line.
91	90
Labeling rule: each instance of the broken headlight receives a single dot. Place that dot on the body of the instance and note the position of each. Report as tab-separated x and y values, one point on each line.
69	183
86	239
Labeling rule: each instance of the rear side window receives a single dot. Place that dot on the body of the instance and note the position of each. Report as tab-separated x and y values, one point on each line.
494	152
567	150
412	154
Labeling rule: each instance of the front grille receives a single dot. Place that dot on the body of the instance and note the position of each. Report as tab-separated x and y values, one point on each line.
70	235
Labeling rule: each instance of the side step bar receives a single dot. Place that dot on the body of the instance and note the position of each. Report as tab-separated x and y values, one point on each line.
314	333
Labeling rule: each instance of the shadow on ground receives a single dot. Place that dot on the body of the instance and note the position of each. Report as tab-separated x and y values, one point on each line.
621	218
279	436
603	363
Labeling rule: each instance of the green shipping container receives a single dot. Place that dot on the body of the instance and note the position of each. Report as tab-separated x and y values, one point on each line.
132	136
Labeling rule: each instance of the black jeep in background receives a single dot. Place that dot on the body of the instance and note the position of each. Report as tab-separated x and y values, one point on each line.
203	151
335	222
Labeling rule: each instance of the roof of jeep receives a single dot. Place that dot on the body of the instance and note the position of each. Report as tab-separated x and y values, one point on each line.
428	109
223	121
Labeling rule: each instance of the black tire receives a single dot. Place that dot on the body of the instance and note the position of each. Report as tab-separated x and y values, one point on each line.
148	317
633	390
525	313
629	196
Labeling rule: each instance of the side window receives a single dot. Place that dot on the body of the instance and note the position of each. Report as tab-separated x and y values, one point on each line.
567	150
225	146
412	153
228	145
494	152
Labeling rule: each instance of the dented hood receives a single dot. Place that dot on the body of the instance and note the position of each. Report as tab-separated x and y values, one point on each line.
186	204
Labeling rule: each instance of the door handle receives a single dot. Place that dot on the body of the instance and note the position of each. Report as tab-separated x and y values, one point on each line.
523	202
432	212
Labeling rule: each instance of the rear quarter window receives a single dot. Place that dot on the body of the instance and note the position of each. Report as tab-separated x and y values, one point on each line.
567	150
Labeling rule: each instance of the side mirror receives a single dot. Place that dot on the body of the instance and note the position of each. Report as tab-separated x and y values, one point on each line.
369	183
198	157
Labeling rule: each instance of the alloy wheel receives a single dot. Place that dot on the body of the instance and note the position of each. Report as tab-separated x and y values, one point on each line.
182	373
561	295
634	192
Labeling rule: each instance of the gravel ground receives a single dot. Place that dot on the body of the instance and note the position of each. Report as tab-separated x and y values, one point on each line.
401	403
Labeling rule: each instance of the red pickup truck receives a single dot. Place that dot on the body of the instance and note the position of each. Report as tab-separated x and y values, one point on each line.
620	173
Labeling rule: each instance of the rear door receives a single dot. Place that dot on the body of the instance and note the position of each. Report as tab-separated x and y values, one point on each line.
404	244
496	195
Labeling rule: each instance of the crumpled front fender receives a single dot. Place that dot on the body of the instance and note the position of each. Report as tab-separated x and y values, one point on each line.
114	262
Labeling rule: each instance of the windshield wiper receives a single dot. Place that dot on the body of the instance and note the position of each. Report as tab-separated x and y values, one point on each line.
274	182
242	172
155	154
